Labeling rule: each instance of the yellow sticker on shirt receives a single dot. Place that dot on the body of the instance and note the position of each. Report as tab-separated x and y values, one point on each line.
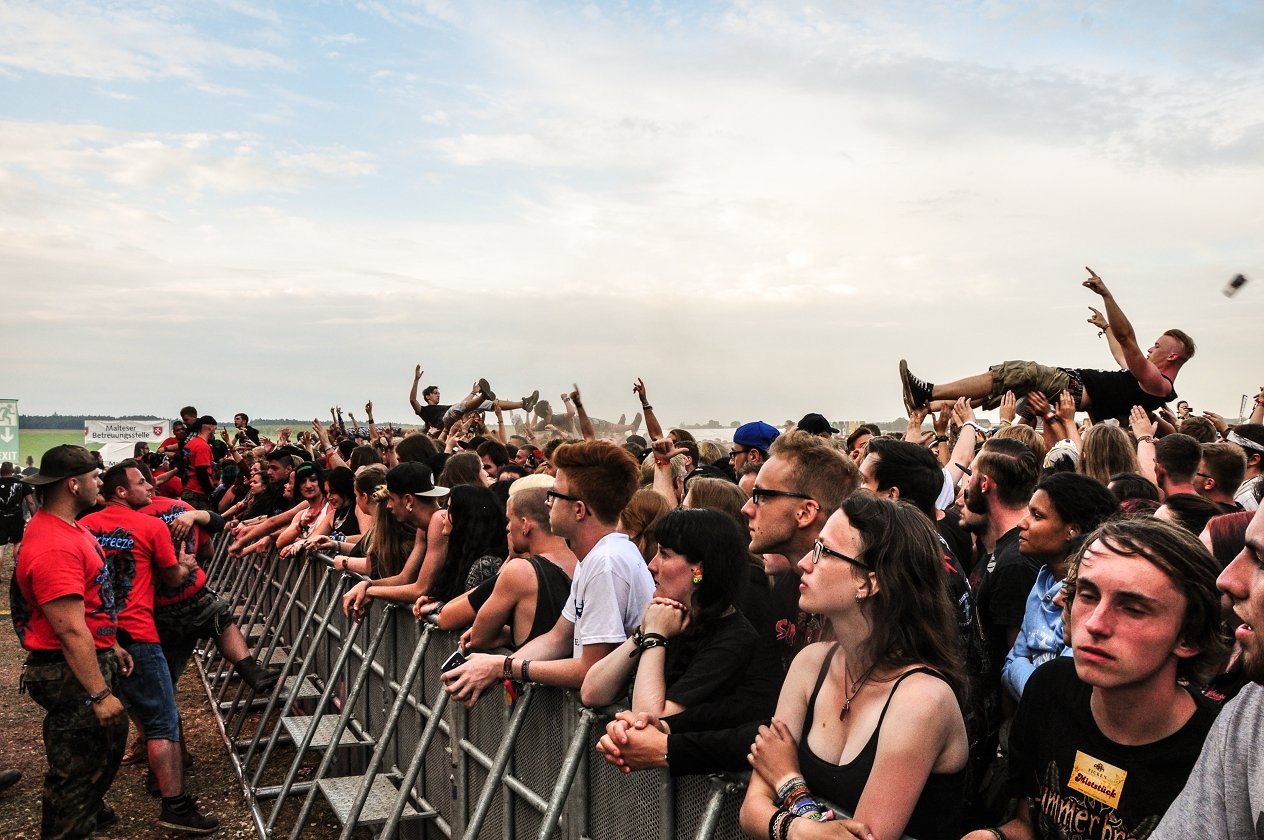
1097	779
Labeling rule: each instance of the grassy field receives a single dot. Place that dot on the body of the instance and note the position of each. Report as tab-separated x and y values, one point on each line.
35	442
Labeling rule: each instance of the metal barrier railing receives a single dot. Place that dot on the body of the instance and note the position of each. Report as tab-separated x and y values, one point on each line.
436	769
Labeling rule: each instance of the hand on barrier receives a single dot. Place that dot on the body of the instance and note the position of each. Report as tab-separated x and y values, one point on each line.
774	755
356	601
467	682
423	605
634	741
321	542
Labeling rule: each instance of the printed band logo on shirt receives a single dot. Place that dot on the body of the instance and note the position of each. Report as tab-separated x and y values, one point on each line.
1097	779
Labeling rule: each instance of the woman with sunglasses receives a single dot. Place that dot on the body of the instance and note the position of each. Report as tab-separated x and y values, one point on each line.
693	643
870	725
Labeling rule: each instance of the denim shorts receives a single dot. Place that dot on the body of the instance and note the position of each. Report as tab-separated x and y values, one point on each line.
148	693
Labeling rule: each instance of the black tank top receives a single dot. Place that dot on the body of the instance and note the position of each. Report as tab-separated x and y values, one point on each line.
551	590
938	811
1113	393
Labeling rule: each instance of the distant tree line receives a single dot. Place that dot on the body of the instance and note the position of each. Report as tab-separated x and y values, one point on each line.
76	421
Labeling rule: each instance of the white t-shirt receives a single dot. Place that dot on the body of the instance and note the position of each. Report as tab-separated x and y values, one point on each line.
1246	494
608	593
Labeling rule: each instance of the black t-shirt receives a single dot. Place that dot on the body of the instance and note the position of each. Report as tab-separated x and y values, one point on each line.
432	415
793	629
1113	393
12	491
1002	599
1083	785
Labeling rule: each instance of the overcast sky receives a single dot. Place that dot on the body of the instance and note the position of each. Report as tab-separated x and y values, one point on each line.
758	207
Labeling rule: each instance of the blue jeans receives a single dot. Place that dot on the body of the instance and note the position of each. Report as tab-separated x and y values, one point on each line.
149	693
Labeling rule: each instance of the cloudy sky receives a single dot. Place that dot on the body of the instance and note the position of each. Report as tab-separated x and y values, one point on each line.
757	207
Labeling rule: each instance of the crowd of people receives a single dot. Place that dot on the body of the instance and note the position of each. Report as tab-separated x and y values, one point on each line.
1038	628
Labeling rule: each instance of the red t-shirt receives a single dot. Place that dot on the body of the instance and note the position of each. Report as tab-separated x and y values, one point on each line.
60	559
167	510
197	454
135	546
171	488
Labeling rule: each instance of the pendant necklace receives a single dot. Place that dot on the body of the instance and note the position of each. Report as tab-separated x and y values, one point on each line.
856	686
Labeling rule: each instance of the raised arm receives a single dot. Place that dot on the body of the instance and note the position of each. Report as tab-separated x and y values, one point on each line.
1147	374
412	394
652	427
368	411
1143	430
1098	320
585	425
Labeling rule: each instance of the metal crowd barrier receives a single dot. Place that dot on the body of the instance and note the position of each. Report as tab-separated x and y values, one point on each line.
360	722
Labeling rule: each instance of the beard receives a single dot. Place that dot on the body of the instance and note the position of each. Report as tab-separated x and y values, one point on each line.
1253	661
976	502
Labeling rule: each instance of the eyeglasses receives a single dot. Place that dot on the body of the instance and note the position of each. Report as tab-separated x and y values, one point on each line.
819	548
759	495
733	453
1204	475
963	468
551	495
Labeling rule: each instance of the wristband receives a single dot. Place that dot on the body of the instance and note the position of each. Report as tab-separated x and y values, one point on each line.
645	641
98	697
526	671
997	833
648	407
1143	438
508	670
941	438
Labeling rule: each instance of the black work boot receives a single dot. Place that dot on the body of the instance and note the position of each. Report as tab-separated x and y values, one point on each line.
256	676
180	813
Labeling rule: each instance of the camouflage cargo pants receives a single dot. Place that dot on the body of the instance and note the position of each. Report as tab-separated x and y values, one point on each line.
83	756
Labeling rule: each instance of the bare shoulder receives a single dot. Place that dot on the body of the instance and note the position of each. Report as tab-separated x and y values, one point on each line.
808	663
517	573
926	699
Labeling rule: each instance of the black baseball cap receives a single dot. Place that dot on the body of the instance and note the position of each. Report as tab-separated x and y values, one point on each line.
62	462
413	478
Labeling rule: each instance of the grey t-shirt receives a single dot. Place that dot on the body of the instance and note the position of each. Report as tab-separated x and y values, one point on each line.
1224	796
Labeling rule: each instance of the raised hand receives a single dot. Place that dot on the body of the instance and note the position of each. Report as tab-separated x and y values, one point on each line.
1095	283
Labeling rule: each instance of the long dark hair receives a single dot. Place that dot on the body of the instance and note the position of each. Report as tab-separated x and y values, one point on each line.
478	530
460	470
911	619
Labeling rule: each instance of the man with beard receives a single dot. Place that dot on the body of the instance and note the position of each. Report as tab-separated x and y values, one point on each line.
1225	793
996	492
65	616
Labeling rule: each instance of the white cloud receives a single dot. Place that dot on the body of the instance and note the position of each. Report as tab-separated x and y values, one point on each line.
117	43
708	199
